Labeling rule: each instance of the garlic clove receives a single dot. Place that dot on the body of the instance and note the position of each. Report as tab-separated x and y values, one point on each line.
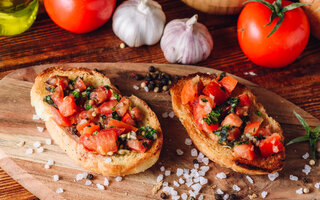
186	41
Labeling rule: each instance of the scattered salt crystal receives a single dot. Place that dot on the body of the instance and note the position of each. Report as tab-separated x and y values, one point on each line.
47	166
59	190
173	192
219	191
36	144
179	172
165	184
205	161
181	181
175	183
196	187
162	168
201	173
204	168
175	197
252	73
200	197
167	173
29	151
171	114
165	115
99	186
249	179
273	176
40	149
305	156
79	177
21	143
48	141
299	191
159	178
184	196
236	188
88	182
35	117
179	152
188	141
189	183
165	189
264	194
108	160
146	88
317	185
40	129
196	166
50	162
203	181
245	73
55	177
307	169
196	180
194	152
293	178
226	196
135	87
221	175
118	178
192	193
106	182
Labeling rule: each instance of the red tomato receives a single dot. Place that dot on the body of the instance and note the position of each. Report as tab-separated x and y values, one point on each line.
139	145
234	134
190	91
107	141
244	99
265	131
242	111
83	123
271	145
58	118
232	120
252	128
245	151
119	124
63	81
79	84
136	113
68	106
228	82
107	107
214	89
122	106
89	142
90	129
79	16
128	119
57	96
100	95
283	46
200	110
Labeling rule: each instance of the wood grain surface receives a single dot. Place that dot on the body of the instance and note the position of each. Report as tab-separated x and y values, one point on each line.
17	125
45	43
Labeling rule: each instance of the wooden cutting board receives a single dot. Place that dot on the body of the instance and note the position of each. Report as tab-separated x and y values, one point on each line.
16	124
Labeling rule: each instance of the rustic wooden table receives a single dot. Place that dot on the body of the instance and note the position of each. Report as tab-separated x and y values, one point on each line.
47	43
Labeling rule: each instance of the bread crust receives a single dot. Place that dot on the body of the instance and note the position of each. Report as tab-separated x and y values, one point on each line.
129	163
208	143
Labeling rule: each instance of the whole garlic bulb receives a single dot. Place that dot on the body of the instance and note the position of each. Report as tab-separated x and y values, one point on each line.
186	41
139	22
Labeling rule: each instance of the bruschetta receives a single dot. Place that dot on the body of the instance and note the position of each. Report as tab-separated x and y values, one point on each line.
101	130
227	124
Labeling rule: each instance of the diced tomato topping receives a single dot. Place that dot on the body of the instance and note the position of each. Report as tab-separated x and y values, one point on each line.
232	120
242	110
264	131
68	106
119	131
244	99
128	119
252	128
207	102
91	128
107	107
89	142
271	145
235	133
136	113
191	90
139	145
57	96
245	151
58	118
228	82
120	124
87	114
80	85
59	81
214	89
83	123
210	128
122	106
100	94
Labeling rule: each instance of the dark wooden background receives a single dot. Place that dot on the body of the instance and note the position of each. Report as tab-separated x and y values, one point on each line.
46	43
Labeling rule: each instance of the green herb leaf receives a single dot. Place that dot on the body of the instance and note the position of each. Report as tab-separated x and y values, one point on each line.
233	102
75	94
87	106
75	80
48	99
223	133
303	122
95	133
222	75
148	132
213	116
204	100
50	89
259	113
117	96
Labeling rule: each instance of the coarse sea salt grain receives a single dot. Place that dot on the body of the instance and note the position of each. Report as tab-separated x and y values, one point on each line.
146	88
264	194
181	181
179	152
167	173
184	196
50	162
165	115
59	190
36	144
106	182
299	191
175	183
162	168
88	182
221	175
307	169
205	168
219	191
55	177
273	176
40	129
205	161
21	143
226	196
29	151
159	178
171	114
165	184
48	141
35	117
293	178
252	73
203	181
194	152
200	197
236	188
188	141
196	166
179	171
305	156
135	87
317	185
108	160
118	178
249	179
79	177
175	197
99	186
47	166
40	149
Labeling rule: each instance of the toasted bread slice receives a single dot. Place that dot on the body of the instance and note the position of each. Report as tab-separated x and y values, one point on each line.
129	163
208	143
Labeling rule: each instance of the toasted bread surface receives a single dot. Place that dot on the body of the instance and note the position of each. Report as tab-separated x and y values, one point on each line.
208	143
129	163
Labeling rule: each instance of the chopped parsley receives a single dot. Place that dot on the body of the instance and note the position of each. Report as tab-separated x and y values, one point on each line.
50	89
233	102
204	100
75	94
222	75
48	99
75	80
87	92
115	116
148	132
213	116
223	133
87	106
95	133
117	96
259	113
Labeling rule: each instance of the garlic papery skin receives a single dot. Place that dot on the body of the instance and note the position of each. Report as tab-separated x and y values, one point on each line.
186	41
139	22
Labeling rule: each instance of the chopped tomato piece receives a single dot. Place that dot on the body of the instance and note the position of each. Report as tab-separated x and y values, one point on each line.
89	142
122	106
57	96
119	131
136	113
128	119
215	90
245	151
58	81
139	145
264	131
107	141
107	107
244	99
80	85
91	128
228	82
232	120
242	110
83	123
191	90
207	102
235	133
252	128
87	114
271	145
100	94
68	106
120	124
58	118
210	128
